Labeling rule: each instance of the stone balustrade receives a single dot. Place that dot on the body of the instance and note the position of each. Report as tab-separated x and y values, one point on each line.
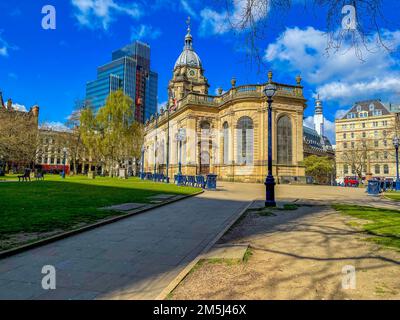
234	93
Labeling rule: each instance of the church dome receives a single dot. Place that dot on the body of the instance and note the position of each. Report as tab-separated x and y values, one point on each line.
188	57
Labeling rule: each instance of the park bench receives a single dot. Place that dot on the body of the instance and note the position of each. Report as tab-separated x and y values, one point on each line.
26	176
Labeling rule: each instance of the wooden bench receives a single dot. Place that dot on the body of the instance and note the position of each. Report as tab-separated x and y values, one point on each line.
26	176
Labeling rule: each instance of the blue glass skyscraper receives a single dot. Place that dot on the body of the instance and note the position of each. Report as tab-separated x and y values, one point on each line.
130	71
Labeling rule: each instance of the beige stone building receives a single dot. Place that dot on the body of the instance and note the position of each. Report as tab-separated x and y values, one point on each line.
364	141
50	153
225	134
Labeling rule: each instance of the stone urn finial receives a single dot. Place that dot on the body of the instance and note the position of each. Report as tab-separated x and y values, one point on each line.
220	91
269	76
298	80
233	82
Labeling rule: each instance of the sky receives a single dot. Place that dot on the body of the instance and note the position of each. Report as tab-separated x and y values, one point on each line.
51	67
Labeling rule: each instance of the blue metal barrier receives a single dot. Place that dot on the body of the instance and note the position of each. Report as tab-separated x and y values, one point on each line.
374	187
211	181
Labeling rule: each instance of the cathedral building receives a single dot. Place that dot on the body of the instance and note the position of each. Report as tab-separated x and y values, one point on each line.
225	134
315	141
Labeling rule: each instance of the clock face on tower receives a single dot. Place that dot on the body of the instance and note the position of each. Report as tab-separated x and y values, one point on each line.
192	72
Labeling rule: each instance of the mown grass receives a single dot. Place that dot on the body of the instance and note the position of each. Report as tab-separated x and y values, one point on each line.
383	224
393	195
43	206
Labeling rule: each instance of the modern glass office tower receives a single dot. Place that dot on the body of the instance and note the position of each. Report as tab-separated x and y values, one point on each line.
130	71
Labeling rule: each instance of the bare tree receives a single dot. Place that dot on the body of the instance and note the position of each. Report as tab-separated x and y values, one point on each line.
358	157
18	138
252	20
76	147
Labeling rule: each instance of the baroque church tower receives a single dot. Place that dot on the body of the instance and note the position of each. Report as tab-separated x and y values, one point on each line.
188	75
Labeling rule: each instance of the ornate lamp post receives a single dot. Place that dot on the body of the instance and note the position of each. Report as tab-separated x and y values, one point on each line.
142	164
168	110
396	142
269	91
155	149
64	160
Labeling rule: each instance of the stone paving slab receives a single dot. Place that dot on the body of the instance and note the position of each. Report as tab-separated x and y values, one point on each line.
125	206
227	251
162	196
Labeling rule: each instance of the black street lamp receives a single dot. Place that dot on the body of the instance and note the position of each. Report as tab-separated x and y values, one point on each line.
142	164
396	142
168	111
155	150
64	160
269	91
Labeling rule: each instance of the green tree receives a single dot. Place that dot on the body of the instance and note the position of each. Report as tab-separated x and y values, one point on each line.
112	135
320	168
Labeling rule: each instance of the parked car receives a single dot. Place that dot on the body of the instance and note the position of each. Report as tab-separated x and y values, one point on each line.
351	181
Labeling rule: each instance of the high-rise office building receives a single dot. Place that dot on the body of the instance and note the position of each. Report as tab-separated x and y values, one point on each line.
130	71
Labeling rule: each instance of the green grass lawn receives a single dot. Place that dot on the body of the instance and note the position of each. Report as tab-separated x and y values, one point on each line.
393	195
43	206
384	224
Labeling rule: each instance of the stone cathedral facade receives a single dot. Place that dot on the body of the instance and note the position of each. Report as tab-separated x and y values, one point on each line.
227	133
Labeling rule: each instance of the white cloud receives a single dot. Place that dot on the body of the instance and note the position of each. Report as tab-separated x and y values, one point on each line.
338	75
54	125
144	32
378	87
340	113
188	8
19	107
5	47
214	22
100	13
3	52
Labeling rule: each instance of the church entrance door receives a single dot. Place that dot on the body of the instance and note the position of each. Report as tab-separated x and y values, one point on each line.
204	162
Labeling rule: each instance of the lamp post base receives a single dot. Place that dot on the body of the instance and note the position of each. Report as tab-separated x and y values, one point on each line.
270	191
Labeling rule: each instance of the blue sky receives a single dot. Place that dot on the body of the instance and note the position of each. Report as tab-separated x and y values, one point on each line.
51	67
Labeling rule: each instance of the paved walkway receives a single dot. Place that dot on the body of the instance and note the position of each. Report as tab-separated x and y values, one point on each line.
298	254
136	258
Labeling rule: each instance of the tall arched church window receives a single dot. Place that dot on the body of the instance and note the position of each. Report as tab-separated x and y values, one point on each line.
245	136
226	142
284	143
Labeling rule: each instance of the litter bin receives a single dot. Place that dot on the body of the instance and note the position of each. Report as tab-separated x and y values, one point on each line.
373	188
211	181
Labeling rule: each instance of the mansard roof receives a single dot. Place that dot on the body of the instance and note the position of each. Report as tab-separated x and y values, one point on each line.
372	107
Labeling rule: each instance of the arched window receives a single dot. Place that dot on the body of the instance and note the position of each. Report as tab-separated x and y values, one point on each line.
284	143
205	147
226	143
245	135
386	169
205	126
